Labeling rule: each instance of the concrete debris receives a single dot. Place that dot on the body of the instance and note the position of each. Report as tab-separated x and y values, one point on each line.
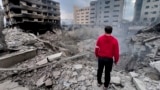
15	38
116	80
156	65
49	59
139	84
133	74
74	68
48	83
81	78
56	74
44	61
78	66
17	57
40	81
8	85
54	57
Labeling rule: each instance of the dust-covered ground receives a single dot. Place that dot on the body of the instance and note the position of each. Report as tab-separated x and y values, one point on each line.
78	73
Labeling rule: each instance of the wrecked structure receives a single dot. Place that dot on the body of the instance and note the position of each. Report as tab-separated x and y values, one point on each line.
34	15
1	18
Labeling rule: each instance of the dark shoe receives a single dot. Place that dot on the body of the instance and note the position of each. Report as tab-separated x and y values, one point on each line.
99	85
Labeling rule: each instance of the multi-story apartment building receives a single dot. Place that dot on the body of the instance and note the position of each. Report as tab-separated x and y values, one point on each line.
150	11
32	13
1	18
137	10
82	15
106	12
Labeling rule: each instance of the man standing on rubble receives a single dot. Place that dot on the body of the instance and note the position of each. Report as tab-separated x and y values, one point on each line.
106	49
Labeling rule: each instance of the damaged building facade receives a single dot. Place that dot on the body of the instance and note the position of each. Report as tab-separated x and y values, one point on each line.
106	12
1	18
32	14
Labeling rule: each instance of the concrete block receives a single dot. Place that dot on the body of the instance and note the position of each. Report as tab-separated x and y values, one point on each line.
116	80
40	82
156	65
12	59
54	56
139	84
133	74
44	61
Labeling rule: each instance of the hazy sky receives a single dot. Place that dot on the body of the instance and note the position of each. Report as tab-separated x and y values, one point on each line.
67	7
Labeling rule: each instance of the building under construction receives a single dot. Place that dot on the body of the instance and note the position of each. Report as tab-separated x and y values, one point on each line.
33	15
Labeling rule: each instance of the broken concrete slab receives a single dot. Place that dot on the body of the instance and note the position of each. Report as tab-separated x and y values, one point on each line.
48	82
8	85
139	84
44	61
133	74
12	59
116	80
78	66
49	58
156	65
151	39
40	82
54	56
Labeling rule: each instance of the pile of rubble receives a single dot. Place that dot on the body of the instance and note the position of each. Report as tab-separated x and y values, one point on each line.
65	61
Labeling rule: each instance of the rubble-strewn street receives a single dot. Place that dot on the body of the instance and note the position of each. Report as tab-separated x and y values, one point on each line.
66	61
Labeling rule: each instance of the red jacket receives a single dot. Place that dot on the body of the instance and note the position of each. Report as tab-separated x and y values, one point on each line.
107	46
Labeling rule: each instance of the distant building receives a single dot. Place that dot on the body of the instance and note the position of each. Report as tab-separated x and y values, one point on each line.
150	11
106	12
137	11
1	18
82	15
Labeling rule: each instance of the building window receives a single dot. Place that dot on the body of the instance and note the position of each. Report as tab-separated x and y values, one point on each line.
148	0
154	12
107	6
145	19
116	5
115	10
106	11
93	9
107	2
147	6
106	16
152	19
146	13
106	21
92	13
116	0
115	15
156	6
115	20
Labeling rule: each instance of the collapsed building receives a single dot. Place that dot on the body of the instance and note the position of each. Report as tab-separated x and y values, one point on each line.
34	15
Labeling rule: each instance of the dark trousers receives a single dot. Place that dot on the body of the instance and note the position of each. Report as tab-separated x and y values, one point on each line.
107	63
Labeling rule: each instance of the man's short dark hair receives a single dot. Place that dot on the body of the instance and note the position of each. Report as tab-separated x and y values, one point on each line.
108	29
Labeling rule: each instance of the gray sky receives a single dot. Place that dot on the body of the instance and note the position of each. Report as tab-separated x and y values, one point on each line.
67	8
